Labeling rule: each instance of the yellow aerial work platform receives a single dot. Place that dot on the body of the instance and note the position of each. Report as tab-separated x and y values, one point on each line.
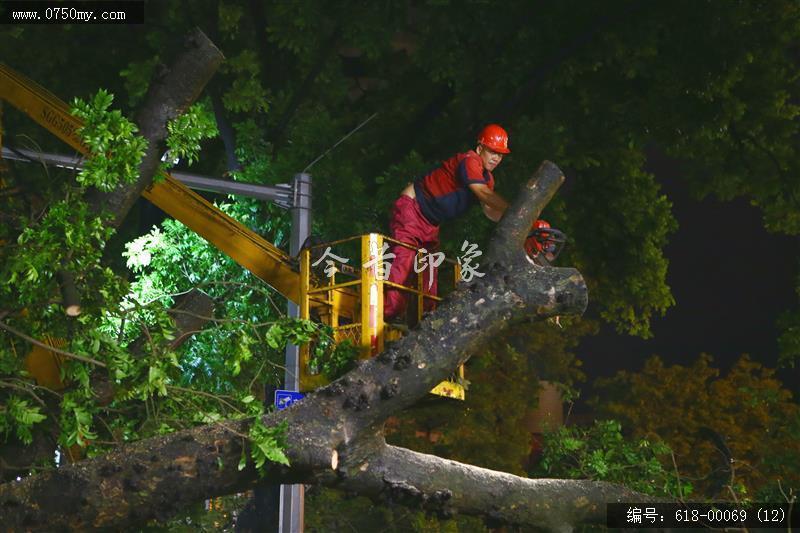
343	305
366	328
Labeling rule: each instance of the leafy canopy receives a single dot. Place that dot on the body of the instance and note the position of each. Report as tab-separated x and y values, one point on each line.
594	89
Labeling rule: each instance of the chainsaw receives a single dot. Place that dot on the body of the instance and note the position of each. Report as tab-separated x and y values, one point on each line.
544	244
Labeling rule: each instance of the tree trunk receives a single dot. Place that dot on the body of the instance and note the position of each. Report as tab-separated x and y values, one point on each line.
335	435
445	488
169	95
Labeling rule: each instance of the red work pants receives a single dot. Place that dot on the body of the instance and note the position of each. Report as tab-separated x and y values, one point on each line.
409	225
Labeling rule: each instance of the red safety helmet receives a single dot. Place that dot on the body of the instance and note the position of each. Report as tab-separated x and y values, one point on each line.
495	138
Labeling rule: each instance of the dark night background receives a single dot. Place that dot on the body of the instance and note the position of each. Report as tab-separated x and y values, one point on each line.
731	279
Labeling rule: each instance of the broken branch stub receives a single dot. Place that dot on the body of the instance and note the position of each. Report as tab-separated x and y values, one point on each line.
507	245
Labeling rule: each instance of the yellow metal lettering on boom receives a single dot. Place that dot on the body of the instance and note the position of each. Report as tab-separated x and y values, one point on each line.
51	117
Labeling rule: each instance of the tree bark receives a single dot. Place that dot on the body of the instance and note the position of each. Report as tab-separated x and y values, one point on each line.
445	488
335	435
170	94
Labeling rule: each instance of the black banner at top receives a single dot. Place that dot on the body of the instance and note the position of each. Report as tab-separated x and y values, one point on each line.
74	12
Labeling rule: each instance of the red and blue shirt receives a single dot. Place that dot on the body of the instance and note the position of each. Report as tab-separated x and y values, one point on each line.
444	193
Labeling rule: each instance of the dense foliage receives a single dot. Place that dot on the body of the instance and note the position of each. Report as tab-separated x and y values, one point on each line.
593	86
601	452
733	436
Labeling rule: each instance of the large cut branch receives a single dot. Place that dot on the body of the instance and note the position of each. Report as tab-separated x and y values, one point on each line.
174	90
335	435
446	488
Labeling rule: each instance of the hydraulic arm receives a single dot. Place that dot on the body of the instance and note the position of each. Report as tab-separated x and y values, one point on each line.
357	303
243	245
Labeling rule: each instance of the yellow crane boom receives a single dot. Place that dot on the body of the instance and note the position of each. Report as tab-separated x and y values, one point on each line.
363	314
243	245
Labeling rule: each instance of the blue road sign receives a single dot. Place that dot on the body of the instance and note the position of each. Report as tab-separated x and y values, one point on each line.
285	398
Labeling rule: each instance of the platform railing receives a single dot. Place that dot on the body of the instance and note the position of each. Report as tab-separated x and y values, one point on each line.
367	330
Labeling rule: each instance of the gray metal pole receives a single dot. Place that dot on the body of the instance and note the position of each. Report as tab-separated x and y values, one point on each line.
292	496
281	194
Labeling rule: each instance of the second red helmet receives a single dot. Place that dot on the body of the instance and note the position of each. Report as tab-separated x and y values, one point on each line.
495	138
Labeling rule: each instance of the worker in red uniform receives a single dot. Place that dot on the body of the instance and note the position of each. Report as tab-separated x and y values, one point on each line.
442	195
